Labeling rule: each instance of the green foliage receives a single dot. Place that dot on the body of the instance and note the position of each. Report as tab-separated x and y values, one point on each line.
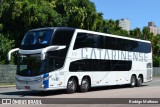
79	14
5	45
156	60
1	27
21	15
136	33
18	16
111	27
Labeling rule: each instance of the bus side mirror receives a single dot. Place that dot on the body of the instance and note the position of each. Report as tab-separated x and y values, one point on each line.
50	48
10	52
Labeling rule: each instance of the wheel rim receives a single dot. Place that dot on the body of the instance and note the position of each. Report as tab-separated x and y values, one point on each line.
140	81
133	81
71	86
85	84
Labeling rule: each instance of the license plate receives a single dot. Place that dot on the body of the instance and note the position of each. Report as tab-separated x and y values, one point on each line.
27	87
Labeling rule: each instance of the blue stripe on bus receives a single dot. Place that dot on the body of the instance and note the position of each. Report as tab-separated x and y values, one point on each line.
46	82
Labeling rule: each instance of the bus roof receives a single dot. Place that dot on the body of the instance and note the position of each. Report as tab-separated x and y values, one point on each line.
87	31
52	28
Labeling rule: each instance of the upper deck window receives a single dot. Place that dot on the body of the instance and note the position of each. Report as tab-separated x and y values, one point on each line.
37	37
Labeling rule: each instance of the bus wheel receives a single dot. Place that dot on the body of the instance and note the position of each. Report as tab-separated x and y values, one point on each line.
84	85
133	81
71	86
139	81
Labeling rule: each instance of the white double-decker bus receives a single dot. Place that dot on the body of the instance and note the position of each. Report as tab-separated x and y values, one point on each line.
66	58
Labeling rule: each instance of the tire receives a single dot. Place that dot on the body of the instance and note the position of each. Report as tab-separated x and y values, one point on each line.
133	81
84	87
71	86
139	81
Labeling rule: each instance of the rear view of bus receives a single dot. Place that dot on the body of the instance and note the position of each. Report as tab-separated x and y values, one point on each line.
40	58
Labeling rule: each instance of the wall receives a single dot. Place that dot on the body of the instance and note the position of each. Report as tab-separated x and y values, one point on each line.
7	74
156	72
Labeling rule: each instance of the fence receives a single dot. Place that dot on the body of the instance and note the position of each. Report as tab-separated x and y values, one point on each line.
156	72
8	72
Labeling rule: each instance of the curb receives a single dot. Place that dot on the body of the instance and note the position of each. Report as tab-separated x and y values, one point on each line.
7	86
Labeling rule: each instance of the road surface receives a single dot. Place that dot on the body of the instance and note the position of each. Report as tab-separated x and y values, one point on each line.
148	90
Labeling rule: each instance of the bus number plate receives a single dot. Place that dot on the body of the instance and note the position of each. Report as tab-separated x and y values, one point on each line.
27	87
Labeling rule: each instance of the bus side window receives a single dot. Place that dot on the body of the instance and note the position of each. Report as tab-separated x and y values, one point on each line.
74	66
83	40
97	41
55	62
62	37
80	65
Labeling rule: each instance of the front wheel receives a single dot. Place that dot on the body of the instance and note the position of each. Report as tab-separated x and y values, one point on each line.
84	87
133	81
71	86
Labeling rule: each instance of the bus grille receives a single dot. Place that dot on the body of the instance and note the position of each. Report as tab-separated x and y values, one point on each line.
27	82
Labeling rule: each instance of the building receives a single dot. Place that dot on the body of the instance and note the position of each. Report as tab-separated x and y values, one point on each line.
153	28
125	24
158	30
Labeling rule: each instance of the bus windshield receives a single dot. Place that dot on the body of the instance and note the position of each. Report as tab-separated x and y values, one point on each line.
39	37
32	65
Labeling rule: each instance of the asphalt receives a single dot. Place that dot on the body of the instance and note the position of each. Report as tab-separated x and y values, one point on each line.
148	90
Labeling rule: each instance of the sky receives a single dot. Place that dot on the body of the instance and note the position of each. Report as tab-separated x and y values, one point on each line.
139	12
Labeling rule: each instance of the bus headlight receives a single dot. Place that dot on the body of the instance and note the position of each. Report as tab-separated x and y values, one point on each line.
41	86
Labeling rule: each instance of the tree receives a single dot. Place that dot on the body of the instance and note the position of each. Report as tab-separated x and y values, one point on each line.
146	34
79	14
5	46
112	27
136	33
21	15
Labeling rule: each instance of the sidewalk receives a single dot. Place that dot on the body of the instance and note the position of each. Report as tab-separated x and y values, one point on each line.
7	86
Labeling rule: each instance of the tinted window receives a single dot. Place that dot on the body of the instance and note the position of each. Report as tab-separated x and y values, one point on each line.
127	45
62	37
37	37
142	47
55	62
56	58
121	65
97	41
100	65
31	65
85	40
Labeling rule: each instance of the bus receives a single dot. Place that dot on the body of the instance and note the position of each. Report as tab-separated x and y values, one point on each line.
54	58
